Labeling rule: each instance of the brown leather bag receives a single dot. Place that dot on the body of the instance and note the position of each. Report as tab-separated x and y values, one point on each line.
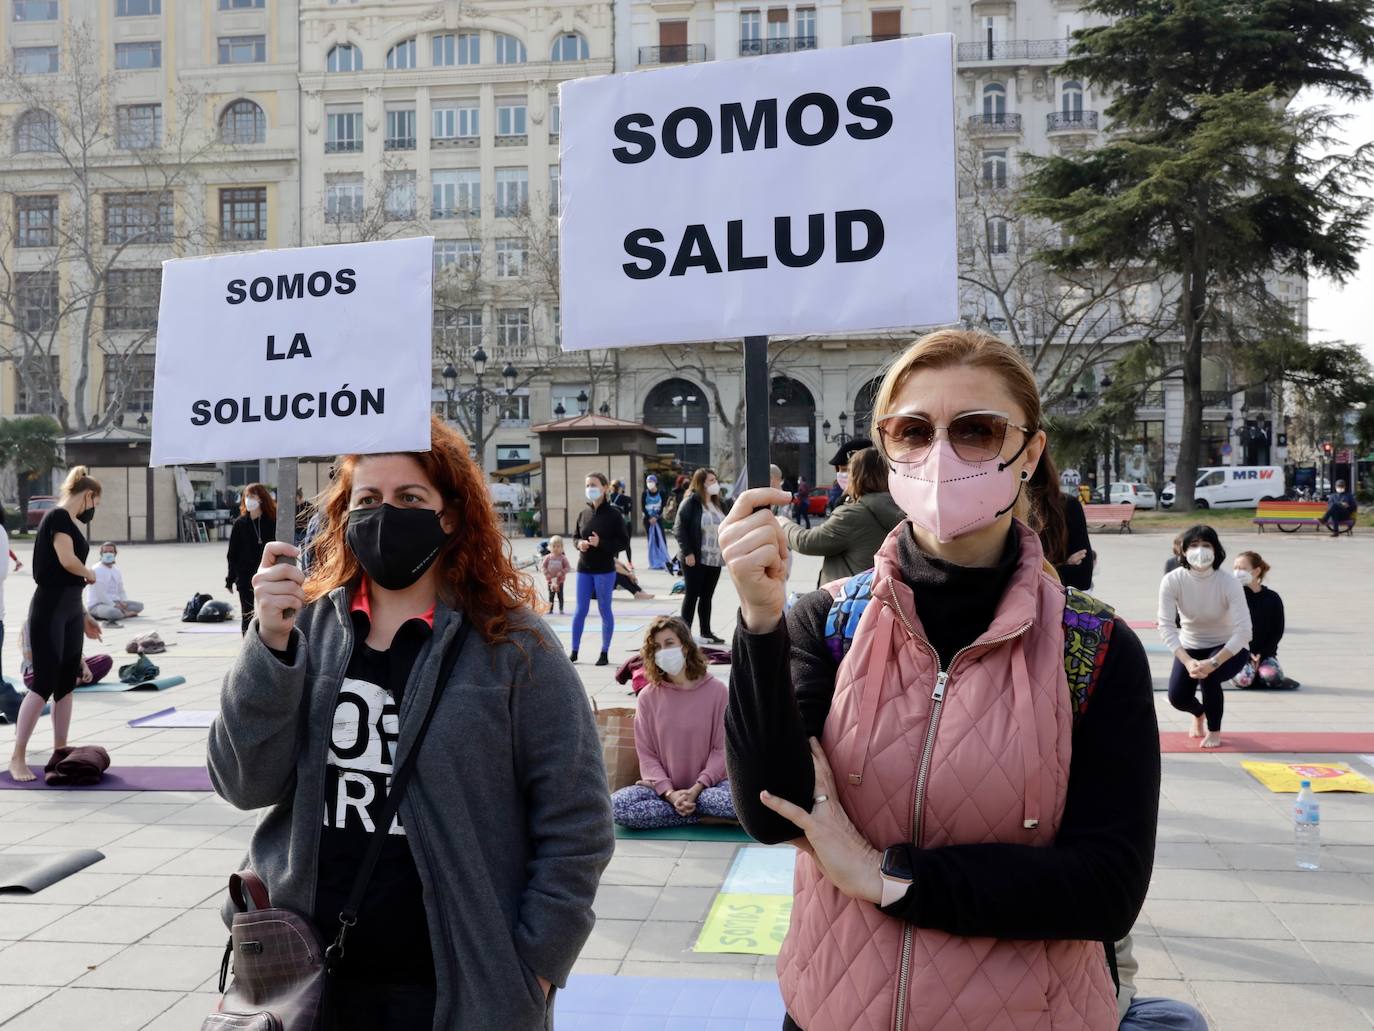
281	974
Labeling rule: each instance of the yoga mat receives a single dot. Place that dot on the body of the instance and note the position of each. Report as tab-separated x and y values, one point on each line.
746	925
692	832
34	873
126	778
229	627
595	628
1287	778
1141	624
1317	742
118	686
761	870
180	719
599	1002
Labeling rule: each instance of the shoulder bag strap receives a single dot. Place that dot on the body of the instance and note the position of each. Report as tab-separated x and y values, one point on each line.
400	778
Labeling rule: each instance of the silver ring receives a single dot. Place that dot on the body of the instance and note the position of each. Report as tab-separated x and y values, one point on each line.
820	798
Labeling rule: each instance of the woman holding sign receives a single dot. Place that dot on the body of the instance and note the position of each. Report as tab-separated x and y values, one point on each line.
254	527
967	758
482	898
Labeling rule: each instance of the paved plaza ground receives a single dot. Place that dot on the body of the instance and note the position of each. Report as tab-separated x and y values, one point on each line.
134	942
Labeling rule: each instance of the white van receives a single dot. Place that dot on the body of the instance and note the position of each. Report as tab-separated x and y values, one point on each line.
1233	486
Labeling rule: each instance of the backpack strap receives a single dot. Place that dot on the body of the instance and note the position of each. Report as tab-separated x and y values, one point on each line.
851	598
1088	625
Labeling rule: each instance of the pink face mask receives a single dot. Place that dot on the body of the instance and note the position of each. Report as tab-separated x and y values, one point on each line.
949	497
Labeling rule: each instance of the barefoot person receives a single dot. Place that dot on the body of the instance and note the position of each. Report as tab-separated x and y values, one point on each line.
482	898
56	615
1205	621
988	828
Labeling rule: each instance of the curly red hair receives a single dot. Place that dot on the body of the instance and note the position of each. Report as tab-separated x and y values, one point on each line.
477	575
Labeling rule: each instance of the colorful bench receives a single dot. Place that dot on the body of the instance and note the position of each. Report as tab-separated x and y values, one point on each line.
1104	515
1292	516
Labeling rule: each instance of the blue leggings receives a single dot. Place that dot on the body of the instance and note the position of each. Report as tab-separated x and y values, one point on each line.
602	585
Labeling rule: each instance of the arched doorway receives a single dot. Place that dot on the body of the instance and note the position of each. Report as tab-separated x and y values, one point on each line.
792	433
863	407
679	408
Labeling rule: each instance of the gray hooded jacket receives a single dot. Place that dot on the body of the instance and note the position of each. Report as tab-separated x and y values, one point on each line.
508	814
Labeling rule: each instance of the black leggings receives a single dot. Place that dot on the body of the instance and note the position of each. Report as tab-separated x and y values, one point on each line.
365	1007
56	624
556	592
1183	688
701	585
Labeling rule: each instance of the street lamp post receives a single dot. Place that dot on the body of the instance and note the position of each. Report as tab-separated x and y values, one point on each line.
476	400
582	401
836	438
450	375
681	402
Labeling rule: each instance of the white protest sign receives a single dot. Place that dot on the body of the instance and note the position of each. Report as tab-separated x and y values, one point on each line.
788	194
306	351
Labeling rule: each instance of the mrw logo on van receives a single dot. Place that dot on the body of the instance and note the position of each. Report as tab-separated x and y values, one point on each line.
1253	474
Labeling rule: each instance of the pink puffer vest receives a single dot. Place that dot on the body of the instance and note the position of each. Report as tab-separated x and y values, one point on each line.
977	754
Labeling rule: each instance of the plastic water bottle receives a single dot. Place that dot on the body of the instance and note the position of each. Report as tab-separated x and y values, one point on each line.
1307	829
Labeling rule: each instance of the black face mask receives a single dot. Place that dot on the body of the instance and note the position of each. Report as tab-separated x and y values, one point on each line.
395	545
87	515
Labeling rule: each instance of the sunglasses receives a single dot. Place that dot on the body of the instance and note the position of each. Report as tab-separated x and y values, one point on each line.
975	436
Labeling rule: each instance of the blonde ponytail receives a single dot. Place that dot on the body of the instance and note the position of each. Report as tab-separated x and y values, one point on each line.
78	481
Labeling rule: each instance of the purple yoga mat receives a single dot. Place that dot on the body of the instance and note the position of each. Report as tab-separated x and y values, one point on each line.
126	778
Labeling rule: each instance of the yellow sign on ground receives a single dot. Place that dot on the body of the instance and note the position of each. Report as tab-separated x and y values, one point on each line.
752	925
1288	777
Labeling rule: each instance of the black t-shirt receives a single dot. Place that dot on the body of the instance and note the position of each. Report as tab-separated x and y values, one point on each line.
48	570
390	944
608	524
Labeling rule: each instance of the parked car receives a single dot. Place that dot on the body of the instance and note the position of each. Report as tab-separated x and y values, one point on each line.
38	508
1232	486
1141	495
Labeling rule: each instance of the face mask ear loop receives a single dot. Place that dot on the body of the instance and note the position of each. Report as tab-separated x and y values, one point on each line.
1022	481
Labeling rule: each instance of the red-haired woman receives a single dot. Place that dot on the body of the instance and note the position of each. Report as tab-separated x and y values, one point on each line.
483	895
254	527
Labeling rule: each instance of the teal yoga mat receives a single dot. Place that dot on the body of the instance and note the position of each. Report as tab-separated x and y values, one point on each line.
111	687
692	832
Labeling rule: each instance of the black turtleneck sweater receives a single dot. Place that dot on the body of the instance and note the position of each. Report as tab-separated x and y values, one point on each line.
1089	886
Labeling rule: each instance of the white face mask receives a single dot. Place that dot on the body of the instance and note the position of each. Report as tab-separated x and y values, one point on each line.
671	660
1243	575
713	489
842	479
593	494
251	504
1199	558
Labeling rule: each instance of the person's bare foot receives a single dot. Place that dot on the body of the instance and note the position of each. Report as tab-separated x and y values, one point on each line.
20	772
1199	726
644	596
1212	740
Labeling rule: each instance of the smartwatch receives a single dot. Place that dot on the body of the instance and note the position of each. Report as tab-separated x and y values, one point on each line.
896	874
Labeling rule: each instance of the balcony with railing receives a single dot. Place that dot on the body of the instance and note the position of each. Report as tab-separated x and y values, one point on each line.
881	37
1151	399
1005	50
776	45
1004	123
511	139
1065	122
343	146
673	53
400	143
1217	398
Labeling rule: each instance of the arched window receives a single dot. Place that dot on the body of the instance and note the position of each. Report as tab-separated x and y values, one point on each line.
36	132
402	55
570	46
792	428
680	409
345	58
1071	101
509	50
460	48
243	122
994	102
997	236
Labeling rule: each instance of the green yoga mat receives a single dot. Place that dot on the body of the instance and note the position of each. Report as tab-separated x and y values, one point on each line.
110	687
696	832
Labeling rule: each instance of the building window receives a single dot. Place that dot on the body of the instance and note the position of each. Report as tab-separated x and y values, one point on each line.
806	28
570	46
555	116
997	236
131	298
36	132
1071	101
135	56
402	55
243	214
515	411
509	50
343	198
134	374
34	10
750	29
38	391
400	128
243	122
35	301
400	195
994	102
513	330
512	192
554	190
239	5
138	217
458	329
995	169
137	8
242	49
455	123
511	257
777	23
138	126
463	48
35	220
344	58
343	132
510	118
455	193
35	60
461	255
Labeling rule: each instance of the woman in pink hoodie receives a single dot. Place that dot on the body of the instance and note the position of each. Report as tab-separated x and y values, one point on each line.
679	735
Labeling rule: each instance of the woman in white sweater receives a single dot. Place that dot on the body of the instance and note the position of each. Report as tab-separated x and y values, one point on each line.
1210	643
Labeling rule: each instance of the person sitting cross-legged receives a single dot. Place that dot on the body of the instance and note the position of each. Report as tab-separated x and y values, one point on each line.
106	599
679	735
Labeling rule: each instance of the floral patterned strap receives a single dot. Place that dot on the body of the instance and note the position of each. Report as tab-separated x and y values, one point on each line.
1088	625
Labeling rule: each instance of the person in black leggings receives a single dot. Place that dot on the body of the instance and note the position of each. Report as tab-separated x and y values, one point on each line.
255	526
56	616
697	529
